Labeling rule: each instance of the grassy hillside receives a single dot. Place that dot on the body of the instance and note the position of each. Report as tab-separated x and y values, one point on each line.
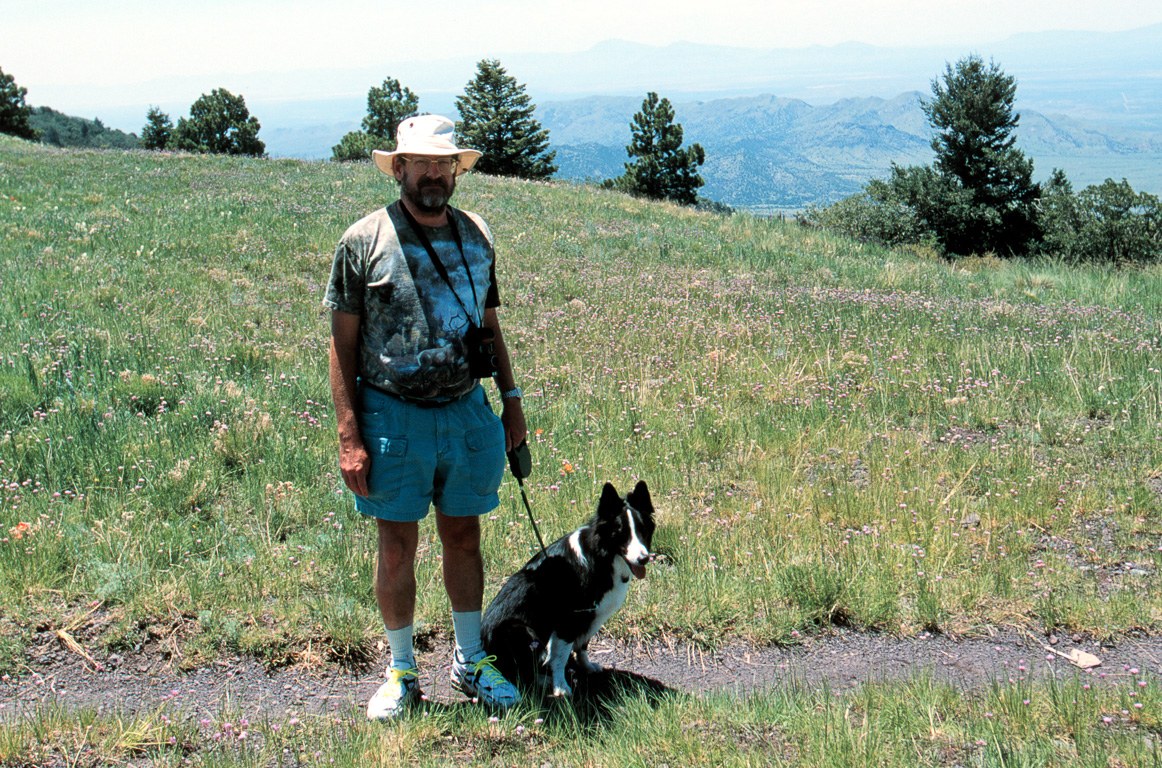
834	434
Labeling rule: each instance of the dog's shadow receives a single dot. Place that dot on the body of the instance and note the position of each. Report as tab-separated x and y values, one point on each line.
598	695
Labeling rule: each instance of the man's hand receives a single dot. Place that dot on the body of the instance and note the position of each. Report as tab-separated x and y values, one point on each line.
355	464
512	416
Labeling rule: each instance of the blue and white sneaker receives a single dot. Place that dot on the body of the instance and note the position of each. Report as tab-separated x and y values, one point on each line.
480	680
399	691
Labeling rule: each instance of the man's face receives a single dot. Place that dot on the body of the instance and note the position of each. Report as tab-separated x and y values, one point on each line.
428	190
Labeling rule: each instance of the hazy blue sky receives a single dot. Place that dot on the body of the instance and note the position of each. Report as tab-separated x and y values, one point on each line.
70	42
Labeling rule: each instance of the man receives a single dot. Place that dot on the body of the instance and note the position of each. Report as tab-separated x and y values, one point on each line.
411	287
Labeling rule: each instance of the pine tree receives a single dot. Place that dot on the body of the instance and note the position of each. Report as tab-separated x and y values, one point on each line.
219	124
14	113
662	170
158	129
972	111
496	117
387	106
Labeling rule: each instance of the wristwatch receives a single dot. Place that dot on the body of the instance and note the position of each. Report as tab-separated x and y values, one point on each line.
512	393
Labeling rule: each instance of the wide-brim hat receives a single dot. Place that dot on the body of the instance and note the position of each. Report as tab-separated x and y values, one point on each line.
430	135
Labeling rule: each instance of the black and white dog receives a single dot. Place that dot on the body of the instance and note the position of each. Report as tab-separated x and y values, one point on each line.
558	601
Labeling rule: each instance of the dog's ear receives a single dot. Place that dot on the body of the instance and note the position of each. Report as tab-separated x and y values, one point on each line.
610	504
639	498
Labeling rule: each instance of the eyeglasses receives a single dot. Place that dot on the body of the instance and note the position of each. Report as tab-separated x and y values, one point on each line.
446	165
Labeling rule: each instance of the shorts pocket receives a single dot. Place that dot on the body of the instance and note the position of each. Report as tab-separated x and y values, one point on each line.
486	456
388	463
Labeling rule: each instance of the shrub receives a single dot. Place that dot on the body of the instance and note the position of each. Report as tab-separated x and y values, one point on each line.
357	145
1118	225
870	219
1104	223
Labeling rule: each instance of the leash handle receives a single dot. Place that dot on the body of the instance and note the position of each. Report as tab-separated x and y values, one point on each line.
520	462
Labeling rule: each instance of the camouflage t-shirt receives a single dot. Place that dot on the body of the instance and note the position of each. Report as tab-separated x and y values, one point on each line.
412	324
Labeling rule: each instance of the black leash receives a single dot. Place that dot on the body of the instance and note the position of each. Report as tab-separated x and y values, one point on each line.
520	463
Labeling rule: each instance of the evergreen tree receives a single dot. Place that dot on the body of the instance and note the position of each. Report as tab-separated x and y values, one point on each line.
14	113
496	117
158	129
662	170
220	124
387	106
972	112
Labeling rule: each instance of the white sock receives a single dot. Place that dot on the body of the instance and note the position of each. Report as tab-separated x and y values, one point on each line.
400	642
467	628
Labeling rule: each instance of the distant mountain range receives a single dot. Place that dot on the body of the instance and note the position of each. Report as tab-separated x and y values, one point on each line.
763	153
782	128
768	154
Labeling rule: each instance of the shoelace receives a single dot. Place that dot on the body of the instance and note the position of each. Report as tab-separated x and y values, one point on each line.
482	669
398	675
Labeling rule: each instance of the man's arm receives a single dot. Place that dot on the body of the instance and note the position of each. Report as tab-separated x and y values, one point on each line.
512	413
353	459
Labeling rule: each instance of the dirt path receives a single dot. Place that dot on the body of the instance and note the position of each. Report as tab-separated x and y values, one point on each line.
146	680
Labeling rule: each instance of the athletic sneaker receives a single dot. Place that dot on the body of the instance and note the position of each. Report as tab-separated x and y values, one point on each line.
480	680
400	690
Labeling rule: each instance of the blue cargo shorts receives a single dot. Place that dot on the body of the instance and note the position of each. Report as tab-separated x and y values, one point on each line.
451	456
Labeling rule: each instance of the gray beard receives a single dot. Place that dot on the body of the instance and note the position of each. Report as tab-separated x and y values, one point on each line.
430	199
434	199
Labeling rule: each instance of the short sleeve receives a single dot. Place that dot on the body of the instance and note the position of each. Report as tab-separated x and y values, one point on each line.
345	289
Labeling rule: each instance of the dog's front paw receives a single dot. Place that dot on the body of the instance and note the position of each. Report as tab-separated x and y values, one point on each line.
562	691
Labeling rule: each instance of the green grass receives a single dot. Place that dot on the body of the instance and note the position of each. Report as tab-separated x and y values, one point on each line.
833	434
918	723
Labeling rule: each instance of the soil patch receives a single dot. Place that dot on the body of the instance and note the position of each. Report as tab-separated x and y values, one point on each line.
58	677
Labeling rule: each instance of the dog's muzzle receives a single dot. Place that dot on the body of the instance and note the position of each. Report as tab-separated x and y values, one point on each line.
639	568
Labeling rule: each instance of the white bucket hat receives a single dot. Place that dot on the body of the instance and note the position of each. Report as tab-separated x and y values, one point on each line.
426	135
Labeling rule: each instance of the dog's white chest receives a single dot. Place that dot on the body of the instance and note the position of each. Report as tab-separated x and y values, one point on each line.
612	600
